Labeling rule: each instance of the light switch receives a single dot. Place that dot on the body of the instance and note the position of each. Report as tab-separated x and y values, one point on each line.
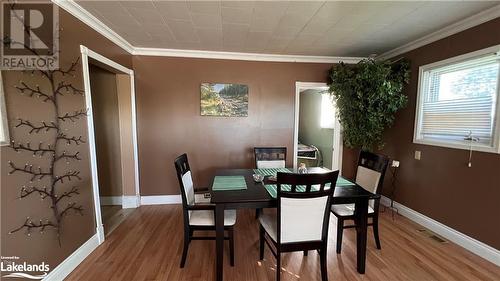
418	154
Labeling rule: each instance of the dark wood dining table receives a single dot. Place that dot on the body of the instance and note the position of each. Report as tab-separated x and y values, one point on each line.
256	196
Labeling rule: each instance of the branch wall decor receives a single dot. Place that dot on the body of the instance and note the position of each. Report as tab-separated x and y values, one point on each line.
59	190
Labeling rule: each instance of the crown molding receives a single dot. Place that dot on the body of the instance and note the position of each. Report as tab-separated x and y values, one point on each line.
80	13
474	20
242	56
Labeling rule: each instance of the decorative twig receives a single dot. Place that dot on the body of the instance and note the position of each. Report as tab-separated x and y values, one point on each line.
39	151
63	155
68	87
37	129
29	225
34	92
28	169
73	116
70	140
25	192
72	207
70	69
69	175
68	194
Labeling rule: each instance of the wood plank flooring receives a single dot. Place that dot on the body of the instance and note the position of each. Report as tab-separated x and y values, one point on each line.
112	216
148	246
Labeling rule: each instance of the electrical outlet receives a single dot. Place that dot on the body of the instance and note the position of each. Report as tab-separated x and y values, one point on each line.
418	154
395	164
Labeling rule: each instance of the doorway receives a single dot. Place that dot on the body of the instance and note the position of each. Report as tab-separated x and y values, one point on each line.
110	99
317	136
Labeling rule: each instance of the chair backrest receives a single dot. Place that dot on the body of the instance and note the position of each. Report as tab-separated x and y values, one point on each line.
185	180
371	170
270	157
304	211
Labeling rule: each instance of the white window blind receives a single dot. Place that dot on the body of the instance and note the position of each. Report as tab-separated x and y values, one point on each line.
459	99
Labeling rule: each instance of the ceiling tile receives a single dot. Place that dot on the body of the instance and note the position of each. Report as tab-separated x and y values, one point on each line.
233	15
354	28
206	21
173	10
183	31
205	7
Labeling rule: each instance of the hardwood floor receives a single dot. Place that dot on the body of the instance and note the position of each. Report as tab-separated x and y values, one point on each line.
112	216
148	246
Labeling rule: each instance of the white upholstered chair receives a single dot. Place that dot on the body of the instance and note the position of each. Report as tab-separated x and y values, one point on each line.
369	175
198	212
301	222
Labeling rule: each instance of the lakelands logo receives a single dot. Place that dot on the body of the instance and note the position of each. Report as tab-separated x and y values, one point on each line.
17	269
30	35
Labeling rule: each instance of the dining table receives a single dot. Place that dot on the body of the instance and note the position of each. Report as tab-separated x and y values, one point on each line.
256	196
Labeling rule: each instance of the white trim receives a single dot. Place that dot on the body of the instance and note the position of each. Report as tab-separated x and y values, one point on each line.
91	140
337	137
161	199
420	96
70	263
86	17
126	201
477	247
132	201
241	56
5	140
111	200
457	27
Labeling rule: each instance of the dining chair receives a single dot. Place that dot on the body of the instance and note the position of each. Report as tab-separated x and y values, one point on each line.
302	219
198	212
369	175
269	157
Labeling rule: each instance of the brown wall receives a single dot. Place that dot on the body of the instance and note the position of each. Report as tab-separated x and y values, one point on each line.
169	121
76	229
107	130
440	185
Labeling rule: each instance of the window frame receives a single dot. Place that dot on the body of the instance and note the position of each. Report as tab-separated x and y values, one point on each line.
495	148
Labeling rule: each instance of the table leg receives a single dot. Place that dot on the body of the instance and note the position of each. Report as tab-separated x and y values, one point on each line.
219	240
361	217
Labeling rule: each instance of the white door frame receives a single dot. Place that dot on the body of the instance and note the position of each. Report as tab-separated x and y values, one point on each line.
337	137
86	53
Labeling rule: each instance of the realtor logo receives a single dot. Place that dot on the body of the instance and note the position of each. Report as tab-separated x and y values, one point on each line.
30	36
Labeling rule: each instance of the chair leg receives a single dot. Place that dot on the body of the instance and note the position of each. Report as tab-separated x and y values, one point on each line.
340	230
187	239
375	231
257	213
322	256
305	253
278	266
261	242
231	246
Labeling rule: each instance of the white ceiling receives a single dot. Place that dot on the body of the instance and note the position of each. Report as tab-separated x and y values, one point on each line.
318	28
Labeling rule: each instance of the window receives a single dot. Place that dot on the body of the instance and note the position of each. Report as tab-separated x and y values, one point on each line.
327	112
458	102
4	129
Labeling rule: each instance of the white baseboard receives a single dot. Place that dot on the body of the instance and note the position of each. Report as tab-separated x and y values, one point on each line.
161	199
70	263
110	200
477	247
132	201
126	201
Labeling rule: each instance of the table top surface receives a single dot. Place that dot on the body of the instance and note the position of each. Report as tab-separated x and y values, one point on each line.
256	192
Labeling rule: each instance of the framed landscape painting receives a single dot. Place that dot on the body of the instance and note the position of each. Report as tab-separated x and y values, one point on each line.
229	100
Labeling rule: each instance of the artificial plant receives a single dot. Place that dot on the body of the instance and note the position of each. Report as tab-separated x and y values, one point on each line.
368	95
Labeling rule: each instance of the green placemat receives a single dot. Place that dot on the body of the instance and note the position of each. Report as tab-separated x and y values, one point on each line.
271	188
229	183
270	171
